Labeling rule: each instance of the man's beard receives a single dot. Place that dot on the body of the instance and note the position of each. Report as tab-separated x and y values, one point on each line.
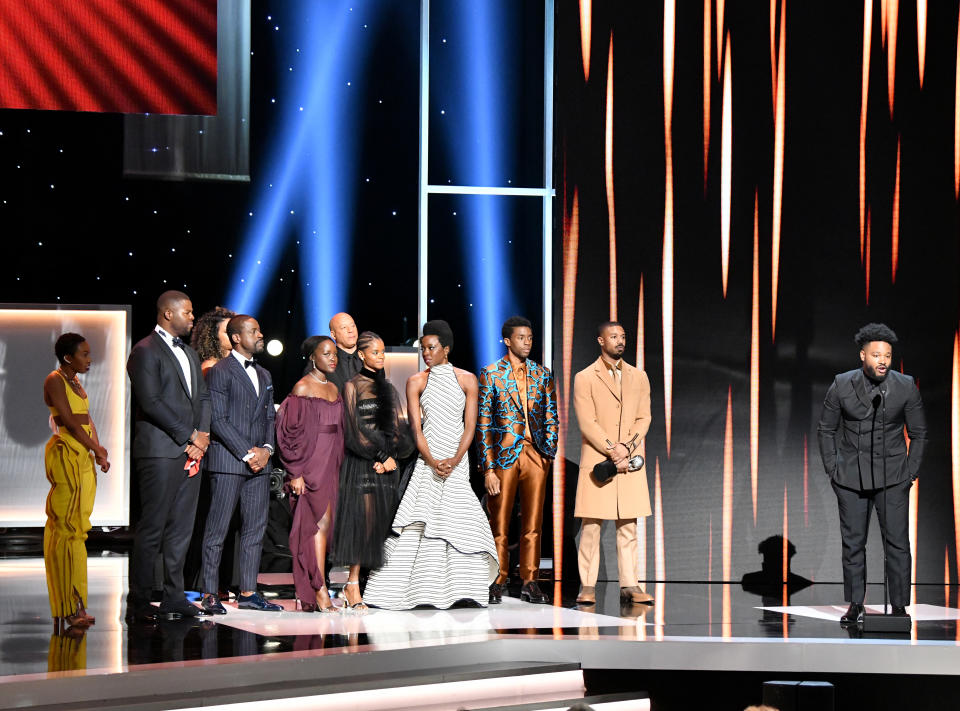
874	375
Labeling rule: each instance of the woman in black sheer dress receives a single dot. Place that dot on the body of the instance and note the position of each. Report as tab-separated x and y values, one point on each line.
377	437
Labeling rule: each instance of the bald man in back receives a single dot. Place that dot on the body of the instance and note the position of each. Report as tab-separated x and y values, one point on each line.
344	332
171	435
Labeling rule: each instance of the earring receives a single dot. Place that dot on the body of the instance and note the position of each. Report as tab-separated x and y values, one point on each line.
66	361
314	363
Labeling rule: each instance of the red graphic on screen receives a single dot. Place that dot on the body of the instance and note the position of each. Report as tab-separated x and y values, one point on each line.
136	56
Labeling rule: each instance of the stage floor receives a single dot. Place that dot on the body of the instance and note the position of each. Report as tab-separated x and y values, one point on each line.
692	626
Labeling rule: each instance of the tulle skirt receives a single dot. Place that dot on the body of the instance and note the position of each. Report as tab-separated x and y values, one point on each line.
366	504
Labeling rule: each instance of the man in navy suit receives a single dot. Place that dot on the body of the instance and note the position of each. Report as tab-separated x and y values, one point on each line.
241	396
171	435
867	459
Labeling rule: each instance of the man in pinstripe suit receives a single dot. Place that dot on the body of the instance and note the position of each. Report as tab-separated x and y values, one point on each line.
241	398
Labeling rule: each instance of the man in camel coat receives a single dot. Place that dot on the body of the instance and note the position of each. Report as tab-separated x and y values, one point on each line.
612	402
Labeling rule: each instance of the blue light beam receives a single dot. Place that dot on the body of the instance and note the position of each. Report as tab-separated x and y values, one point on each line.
482	55
306	139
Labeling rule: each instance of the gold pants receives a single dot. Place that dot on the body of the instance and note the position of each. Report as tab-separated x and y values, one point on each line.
529	475
588	555
73	486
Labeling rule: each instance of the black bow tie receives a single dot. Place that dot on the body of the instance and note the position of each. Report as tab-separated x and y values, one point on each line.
248	364
177	342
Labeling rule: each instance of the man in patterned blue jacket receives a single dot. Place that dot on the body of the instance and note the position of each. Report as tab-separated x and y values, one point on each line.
517	433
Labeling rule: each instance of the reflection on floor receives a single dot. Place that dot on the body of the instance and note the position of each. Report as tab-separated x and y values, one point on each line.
919	612
691	612
392	626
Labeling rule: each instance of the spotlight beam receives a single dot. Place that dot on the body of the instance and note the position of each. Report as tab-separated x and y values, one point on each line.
259	257
492	296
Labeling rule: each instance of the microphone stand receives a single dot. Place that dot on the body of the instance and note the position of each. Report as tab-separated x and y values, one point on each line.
885	621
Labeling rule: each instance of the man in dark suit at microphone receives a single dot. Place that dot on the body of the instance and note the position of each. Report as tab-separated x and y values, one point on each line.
241	397
870	466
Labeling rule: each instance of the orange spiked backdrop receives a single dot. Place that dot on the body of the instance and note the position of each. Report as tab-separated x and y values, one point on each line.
836	158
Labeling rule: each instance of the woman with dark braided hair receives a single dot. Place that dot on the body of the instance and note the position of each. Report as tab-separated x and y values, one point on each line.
210	339
377	438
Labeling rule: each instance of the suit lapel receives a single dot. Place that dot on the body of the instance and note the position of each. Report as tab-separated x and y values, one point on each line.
628	386
860	387
195	374
239	371
168	354
510	383
600	368
262	380
533	382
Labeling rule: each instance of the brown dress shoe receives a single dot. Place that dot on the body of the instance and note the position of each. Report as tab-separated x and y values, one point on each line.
587	596
531	592
635	594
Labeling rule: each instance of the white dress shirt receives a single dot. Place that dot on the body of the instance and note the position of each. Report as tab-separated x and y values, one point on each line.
251	371
179	355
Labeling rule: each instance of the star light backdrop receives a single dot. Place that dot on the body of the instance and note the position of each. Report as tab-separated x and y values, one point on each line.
743	185
329	218
85	234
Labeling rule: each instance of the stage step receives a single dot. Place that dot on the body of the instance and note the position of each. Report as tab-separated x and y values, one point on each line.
494	687
257	688
631	701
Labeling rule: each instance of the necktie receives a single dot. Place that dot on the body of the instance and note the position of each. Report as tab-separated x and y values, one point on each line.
177	342
248	364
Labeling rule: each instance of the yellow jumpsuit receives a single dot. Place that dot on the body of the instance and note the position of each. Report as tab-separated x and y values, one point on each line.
73	486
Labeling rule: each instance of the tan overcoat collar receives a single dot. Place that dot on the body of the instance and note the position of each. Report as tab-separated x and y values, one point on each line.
600	368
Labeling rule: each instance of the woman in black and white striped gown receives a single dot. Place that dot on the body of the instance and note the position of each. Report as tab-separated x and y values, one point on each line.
441	551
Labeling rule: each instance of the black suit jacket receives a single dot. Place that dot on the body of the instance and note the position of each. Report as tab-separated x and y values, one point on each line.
852	443
166	412
240	419
348	365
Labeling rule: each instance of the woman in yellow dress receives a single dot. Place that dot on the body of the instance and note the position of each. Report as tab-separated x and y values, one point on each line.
69	458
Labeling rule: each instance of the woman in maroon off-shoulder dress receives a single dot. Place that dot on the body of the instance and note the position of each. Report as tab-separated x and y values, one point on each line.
310	442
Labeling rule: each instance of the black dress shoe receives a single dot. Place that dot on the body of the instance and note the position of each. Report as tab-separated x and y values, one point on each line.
531	592
853	614
256	602
211	603
179	610
140	612
898	610
496	593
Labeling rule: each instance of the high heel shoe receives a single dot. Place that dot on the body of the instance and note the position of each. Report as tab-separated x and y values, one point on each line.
63	628
320	607
359	606
76	620
82	612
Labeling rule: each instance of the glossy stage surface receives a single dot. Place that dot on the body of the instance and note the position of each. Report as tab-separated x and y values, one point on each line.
691	626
